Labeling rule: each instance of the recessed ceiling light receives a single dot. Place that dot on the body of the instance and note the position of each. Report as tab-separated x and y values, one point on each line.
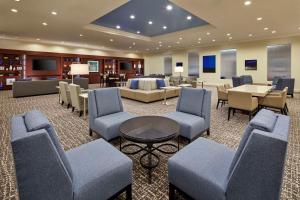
180	38
208	33
165	27
250	35
247	3
259	18
178	42
299	28
266	28
150	22
228	34
159	42
213	40
199	39
17	0
54	13
38	39
130	47
132	17
138	32
169	7
230	38
199	42
14	10
160	45
169	46
111	40
118	27
157	48
81	35
273	31
133	43
147	49
189	17
44	23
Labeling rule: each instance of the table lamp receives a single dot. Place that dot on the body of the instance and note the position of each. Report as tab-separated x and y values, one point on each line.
79	69
179	69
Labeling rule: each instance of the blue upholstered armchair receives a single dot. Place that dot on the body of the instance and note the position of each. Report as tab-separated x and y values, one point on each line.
106	112
247	79
192	112
286	82
95	170
207	170
236	81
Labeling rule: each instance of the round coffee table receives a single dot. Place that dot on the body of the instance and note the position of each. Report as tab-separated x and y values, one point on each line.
149	130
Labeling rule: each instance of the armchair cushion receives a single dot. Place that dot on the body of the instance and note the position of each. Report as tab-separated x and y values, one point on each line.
190	125
35	120
108	125
200	169
99	169
191	101
265	120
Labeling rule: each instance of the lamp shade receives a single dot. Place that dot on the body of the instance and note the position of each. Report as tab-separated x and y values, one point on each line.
79	69
178	69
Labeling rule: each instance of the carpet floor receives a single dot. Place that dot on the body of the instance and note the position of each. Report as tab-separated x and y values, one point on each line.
72	131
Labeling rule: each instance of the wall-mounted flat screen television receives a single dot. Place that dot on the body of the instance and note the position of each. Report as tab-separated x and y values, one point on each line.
251	64
44	64
126	66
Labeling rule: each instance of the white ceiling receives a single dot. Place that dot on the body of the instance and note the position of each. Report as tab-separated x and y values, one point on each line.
74	18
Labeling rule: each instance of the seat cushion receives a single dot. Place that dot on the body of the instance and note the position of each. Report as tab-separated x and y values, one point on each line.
200	169
99	169
190	125
108	126
191	101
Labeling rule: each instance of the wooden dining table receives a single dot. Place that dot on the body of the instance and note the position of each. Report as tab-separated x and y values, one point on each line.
255	90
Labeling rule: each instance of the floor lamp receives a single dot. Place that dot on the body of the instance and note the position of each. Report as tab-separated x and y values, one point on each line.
179	70
79	69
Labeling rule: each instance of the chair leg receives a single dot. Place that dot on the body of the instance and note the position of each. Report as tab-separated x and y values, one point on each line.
233	112
62	102
91	132
80	113
292	95
286	107
250	115
129	192
229	110
68	106
73	108
218	103
208	132
282	111
171	192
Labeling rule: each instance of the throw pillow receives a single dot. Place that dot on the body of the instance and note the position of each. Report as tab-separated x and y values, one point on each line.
134	84
160	83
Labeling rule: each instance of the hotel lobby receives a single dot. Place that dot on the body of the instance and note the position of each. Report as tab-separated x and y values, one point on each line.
150	99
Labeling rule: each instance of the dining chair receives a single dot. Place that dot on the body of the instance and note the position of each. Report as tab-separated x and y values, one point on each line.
64	94
222	95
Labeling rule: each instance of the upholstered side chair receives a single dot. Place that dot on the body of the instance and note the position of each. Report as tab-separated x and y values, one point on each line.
77	102
275	100
222	95
64	93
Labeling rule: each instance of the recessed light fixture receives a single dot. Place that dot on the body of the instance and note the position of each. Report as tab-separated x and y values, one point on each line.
132	17
157	48
118	27
165	27
169	46
178	42
159	42
266	28
54	13
133	43
230	38
14	10
169	7
111	40
81	35
130	47
150	22
38	39
259	18
247	3
228	34
160	45
138	32
17	0
273	31
250	35
199	42
213	40
147	49
199	39
180	38
44	23
299	28
208	33
189	17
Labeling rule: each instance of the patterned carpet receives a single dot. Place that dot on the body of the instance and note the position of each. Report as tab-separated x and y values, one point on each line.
73	131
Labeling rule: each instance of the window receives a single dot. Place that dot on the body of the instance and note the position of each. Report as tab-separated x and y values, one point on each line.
279	61
193	64
168	65
228	63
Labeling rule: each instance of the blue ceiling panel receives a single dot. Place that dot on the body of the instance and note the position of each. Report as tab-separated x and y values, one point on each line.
149	10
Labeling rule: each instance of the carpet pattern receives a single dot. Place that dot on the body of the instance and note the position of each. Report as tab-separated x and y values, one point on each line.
73	131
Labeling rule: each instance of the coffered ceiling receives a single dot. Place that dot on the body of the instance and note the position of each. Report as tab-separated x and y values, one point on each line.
70	22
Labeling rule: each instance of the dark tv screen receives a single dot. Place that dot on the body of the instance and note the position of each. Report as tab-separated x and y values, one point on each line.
125	66
44	64
179	64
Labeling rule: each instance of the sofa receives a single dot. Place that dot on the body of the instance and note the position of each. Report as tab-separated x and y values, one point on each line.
208	170
147	91
95	170
43	87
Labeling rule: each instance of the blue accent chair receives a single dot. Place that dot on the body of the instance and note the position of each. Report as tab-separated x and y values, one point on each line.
192	112
236	81
95	170
247	79
275	80
286	82
208	170
106	112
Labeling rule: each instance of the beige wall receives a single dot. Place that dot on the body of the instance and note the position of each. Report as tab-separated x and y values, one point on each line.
43	47
250	50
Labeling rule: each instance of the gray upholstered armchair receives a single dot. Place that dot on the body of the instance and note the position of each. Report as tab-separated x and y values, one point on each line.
286	82
106	112
210	171
95	170
192	112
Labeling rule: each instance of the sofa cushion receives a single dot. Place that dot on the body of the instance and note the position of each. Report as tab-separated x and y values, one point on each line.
191	101
134	84
100	170
265	120
35	120
160	83
200	169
